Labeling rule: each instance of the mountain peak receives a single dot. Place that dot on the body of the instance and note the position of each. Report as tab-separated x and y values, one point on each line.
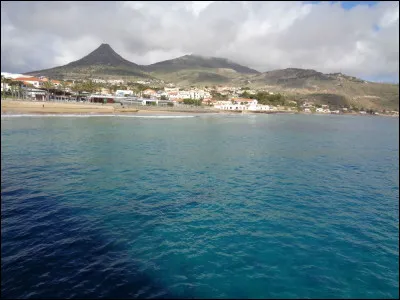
105	47
103	60
103	55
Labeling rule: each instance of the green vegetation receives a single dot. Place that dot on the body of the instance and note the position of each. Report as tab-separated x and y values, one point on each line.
336	90
192	102
218	96
265	98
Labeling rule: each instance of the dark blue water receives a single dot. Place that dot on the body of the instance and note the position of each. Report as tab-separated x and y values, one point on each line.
265	206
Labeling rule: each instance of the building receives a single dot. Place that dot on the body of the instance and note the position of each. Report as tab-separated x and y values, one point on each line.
115	81
36	82
96	80
99	98
241	104
56	83
35	94
150	93
171	89
123	93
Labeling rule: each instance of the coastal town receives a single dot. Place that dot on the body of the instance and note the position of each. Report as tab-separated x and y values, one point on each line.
143	93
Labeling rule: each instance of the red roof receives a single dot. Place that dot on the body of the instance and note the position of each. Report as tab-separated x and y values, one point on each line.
27	79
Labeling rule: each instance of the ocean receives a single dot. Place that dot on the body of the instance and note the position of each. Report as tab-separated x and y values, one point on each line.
232	206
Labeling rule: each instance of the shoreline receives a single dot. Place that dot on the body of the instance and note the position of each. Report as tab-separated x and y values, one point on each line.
23	107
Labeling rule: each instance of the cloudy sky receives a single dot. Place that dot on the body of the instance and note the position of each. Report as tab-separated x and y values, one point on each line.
355	38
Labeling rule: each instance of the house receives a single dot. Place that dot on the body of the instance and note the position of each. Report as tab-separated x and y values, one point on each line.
209	101
56	83
173	96
307	110
308	104
116	81
245	101
123	93
96	80
241	104
149	92
184	94
36	82
36	94
171	89
231	106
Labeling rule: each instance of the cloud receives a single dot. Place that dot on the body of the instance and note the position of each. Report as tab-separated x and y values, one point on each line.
362	41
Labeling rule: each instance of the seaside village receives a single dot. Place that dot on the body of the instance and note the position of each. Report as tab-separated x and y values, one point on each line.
143	93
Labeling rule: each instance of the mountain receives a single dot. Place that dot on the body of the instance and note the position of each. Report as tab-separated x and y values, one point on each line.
102	61
197	69
198	62
336	89
295	83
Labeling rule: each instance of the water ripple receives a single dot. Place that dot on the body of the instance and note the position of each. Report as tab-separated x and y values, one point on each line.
226	207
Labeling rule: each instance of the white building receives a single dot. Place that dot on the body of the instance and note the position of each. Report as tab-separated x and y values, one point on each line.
122	93
171	89
96	80
36	82
242	104
115	81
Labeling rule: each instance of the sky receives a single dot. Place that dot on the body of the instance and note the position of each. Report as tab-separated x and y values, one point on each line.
355	38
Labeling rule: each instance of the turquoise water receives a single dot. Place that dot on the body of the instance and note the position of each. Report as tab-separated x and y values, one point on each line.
248	206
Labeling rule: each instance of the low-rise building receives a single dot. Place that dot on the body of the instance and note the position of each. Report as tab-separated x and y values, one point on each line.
36	82
122	93
149	92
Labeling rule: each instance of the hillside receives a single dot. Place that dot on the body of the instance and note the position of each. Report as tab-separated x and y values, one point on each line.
196	69
198	62
299	84
334	89
102	61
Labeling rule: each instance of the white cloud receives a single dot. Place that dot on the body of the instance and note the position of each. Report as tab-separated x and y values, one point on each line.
262	35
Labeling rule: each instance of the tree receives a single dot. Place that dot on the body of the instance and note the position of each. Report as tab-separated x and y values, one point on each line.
89	86
63	86
48	85
163	97
192	102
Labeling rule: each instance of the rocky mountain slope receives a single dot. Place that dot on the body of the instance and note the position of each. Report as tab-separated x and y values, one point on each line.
335	88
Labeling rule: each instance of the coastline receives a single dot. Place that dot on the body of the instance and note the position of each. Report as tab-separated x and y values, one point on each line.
22	107
25	107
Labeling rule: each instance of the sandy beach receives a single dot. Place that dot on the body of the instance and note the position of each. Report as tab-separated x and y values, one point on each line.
38	107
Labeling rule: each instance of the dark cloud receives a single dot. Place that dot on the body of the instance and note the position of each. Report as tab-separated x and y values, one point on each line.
362	41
